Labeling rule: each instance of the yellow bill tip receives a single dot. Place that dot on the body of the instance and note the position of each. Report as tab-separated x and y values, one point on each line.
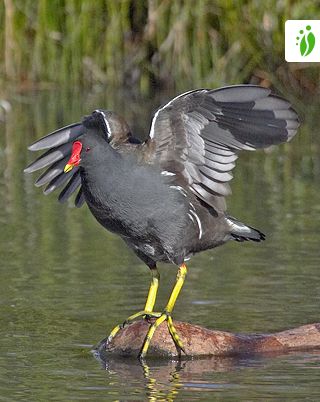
67	168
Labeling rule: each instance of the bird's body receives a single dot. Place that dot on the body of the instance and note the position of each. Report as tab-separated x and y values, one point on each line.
134	207
166	197
158	219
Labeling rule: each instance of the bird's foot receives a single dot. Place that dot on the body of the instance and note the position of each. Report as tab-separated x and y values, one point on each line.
141	314
165	316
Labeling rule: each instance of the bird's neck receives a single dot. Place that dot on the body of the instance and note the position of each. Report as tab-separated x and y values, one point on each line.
108	180
99	171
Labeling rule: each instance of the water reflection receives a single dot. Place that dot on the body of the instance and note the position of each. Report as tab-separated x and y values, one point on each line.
167	380
164	379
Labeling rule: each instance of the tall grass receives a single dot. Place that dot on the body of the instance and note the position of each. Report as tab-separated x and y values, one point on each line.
148	43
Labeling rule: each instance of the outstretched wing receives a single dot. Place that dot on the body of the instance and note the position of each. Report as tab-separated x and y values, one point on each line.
196	137
58	145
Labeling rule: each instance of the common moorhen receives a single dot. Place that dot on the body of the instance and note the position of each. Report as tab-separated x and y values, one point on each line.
165	197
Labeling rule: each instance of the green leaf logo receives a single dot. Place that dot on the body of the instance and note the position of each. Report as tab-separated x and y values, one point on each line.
307	41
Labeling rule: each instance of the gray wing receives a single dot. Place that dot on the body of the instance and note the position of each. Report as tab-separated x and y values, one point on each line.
196	137
58	145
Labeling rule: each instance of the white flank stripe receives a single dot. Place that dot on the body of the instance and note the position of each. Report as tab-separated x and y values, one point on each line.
198	222
191	217
179	188
166	173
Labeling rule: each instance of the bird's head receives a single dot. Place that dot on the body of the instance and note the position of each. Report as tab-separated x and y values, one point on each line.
102	127
86	150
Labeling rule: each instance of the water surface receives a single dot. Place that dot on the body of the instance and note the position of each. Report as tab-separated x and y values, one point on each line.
65	281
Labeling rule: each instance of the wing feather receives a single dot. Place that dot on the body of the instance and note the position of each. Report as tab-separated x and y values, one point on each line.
80	200
58	146
53	171
71	187
58	137
197	135
59	181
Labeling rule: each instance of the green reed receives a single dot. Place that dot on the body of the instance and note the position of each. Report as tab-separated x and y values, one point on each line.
151	43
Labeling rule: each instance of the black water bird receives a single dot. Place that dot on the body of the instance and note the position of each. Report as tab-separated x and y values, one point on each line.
165	197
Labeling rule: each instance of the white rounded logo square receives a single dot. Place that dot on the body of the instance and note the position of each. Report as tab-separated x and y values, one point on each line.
302	41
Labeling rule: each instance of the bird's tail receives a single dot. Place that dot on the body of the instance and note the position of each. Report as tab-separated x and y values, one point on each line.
242	232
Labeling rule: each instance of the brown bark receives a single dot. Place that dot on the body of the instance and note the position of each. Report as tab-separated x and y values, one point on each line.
199	341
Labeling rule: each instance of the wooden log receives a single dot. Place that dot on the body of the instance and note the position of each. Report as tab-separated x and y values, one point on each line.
200	342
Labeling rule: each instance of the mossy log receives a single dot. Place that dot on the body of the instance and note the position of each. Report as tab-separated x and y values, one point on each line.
201	342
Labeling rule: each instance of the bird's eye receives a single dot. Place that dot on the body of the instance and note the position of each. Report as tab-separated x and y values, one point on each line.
87	149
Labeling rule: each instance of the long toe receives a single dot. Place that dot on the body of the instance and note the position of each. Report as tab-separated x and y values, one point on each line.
150	333
129	320
175	337
165	316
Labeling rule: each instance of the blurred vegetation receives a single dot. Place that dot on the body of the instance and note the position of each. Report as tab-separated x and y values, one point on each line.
149	44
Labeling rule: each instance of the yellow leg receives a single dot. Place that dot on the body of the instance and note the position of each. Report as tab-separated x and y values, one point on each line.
181	275
166	315
151	299
148	309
